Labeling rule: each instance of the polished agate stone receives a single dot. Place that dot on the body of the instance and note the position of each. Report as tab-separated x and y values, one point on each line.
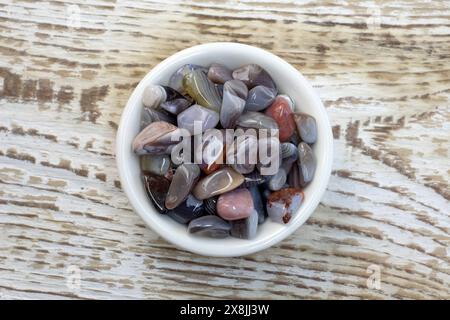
235	205
210	226
211	205
182	182
188	210
155	138
176	106
288	149
154	95
150	115
218	182
252	119
176	80
155	164
206	118
258	204
243	153
245	228
283	204
281	111
289	155
306	127
211	151
259	98
307	163
218	73
254	75
277	181
202	90
253	179
156	187
294	176
233	103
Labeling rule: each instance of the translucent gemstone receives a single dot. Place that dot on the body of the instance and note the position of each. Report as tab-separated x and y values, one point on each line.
218	73
156	187
252	119
211	205
289	153
188	210
176	80
258	204
288	149
202	90
206	118
182	182
283	204
235	205
210	226
245	228
253	179
234	95
243	153
154	138
154	95
210	151
259	98
156	164
253	75
307	163
294	176
218	182
176	106
150	115
306	127
277	181
281	111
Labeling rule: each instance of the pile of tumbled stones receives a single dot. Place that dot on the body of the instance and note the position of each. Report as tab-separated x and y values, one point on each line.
213	198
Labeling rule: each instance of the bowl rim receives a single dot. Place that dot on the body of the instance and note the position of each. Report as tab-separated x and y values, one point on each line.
250	247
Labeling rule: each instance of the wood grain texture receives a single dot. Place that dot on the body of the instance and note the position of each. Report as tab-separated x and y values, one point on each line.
382	69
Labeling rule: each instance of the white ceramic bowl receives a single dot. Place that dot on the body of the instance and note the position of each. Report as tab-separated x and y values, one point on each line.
289	81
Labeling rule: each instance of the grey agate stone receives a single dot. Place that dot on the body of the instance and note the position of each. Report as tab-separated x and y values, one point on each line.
156	164
233	102
306	162
208	118
176	80
259	98
245	228
218	73
151	115
277	181
188	210
258	204
254	75
257	120
210	226
306	127
182	182
176	106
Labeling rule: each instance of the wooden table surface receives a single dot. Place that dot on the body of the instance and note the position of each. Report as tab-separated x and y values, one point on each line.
382	69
